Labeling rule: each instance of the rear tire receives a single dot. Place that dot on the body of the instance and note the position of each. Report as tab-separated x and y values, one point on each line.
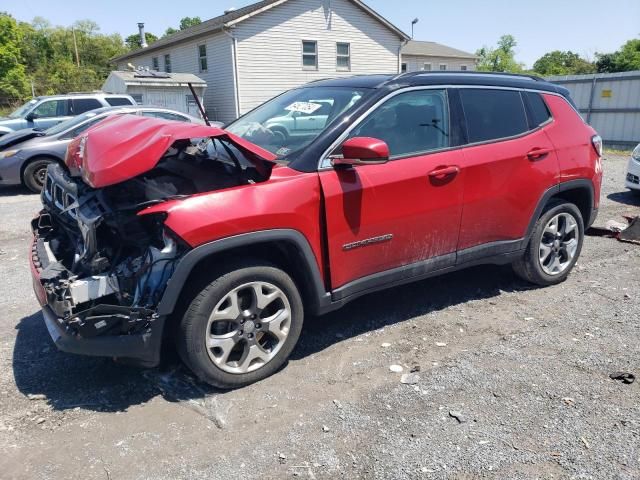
35	173
281	133
242	327
554	246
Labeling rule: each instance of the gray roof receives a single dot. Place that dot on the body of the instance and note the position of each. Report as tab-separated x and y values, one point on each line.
137	77
218	23
433	49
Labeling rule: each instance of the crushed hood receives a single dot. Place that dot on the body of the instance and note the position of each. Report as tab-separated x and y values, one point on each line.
19	136
125	146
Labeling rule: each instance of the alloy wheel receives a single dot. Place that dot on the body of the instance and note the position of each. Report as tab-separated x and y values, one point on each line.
558	244
248	327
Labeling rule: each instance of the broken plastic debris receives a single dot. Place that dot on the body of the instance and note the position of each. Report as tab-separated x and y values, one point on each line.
624	377
409	378
629	233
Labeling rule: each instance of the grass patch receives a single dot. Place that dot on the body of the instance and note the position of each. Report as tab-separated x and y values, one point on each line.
613	151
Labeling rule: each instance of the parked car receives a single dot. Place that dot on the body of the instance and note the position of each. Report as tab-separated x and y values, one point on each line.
224	243
44	112
25	154
304	118
632	181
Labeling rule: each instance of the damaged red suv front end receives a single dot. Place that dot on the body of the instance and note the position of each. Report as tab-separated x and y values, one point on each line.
101	256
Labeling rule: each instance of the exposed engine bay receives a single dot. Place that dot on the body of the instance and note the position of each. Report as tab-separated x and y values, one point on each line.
103	267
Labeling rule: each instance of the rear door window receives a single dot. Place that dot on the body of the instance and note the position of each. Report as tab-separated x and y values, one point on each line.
118	101
493	114
81	105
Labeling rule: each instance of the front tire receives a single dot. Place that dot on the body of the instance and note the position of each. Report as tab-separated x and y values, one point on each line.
35	174
554	246
242	327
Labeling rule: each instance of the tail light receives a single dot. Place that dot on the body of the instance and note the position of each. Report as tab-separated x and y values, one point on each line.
596	141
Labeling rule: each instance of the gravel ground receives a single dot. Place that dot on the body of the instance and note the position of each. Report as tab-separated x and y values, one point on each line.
513	383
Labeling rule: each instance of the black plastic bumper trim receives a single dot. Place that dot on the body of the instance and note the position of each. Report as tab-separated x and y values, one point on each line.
143	347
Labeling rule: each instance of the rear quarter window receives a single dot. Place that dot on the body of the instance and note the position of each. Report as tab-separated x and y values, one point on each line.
118	101
537	111
81	105
493	114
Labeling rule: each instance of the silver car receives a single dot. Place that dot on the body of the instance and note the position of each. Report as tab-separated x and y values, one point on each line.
25	154
47	111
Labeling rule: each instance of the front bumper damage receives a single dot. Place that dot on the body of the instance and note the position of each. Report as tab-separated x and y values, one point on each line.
133	334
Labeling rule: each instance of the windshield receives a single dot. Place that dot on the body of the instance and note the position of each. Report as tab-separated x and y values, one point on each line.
293	120
71	123
22	111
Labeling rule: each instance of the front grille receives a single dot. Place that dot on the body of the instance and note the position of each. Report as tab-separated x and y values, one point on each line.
56	195
633	178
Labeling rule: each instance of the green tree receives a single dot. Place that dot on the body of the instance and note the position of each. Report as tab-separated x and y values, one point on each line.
562	63
14	84
133	40
501	58
188	22
185	23
624	60
48	55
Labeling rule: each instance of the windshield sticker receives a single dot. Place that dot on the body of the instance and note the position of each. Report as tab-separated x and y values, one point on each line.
304	107
283	151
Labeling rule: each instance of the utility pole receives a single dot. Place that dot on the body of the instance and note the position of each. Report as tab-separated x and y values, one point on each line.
75	46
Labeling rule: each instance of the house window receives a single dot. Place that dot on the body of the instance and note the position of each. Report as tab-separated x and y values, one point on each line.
427	67
443	66
167	63
343	58
463	68
404	68
309	55
202	57
156	64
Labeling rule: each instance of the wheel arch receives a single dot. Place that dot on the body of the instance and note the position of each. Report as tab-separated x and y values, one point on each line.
33	158
287	249
579	191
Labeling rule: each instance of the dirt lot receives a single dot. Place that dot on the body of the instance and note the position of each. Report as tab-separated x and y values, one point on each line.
524	370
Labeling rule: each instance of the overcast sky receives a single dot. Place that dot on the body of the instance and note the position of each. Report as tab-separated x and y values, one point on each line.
583	26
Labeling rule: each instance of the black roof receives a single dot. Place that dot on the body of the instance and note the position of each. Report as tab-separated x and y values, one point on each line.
358	81
393	82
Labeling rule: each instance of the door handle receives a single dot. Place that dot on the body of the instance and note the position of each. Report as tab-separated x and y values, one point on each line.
443	172
538	153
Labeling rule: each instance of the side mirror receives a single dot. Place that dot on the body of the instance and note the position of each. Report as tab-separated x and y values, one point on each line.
362	151
30	117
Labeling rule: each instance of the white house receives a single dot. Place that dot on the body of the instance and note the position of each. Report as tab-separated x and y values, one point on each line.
432	56
169	90
249	55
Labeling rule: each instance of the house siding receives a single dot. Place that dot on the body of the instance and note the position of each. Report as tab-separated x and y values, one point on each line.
270	46
219	97
416	62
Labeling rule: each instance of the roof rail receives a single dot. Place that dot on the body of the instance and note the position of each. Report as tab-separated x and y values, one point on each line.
469	72
93	92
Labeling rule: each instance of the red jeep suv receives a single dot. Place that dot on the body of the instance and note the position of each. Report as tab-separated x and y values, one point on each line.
223	240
